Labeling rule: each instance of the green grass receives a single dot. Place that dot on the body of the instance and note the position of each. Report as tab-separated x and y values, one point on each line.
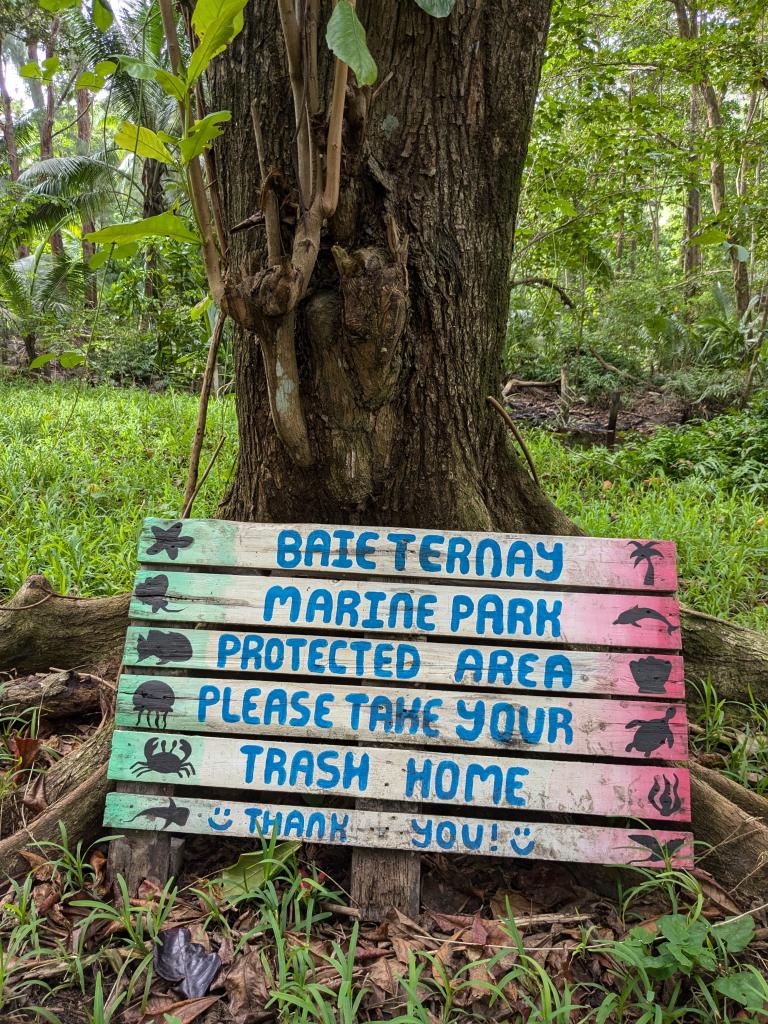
81	466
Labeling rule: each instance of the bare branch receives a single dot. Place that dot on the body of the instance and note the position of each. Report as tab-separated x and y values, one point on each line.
545	282
292	37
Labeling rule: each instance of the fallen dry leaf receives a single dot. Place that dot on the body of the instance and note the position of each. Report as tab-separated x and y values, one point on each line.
34	798
186	1010
246	986
24	749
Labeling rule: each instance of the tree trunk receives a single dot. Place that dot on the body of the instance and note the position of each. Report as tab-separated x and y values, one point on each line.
9	134
46	124
83	100
692	253
395	365
152	173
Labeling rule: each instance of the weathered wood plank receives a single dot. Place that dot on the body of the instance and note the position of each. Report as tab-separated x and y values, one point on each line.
418	832
521	669
610	620
378	773
594	728
623	564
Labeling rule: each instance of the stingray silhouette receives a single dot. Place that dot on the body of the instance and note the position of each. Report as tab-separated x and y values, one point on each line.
152	591
658	851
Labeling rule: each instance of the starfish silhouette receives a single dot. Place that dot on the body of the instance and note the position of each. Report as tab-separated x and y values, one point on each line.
170	541
645	551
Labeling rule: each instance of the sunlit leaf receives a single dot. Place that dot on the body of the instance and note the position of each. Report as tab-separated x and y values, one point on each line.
202	134
58	5
171	85
42	360
30	70
118	252
105	67
437	8
143	141
52	64
216	22
346	39
102	15
709	236
164	225
68	360
89	80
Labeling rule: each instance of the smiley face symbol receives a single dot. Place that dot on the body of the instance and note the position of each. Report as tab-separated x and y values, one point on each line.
520	842
221	825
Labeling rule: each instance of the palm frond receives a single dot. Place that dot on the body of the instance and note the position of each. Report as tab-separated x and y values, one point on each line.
15	290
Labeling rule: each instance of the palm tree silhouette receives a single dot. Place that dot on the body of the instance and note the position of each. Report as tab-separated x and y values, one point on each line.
645	551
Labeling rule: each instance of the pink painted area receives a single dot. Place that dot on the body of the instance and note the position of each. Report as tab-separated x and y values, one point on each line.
651	676
620	848
621	620
642	787
630	567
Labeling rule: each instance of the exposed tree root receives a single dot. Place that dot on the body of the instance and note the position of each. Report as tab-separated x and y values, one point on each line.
733	822
40	629
56	695
82	767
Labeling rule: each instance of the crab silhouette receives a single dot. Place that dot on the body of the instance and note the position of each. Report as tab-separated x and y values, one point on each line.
651	734
645	551
165	761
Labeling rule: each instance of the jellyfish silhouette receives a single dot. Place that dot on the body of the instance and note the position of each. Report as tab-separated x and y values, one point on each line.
153	696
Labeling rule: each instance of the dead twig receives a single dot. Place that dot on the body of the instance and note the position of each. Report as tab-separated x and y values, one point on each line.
202	411
188	507
518	436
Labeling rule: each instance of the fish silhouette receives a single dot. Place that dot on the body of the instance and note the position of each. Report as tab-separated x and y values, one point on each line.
633	616
659	851
171	815
645	551
152	591
171	541
650	674
163	646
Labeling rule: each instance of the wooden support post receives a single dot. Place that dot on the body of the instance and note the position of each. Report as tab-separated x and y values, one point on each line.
144	855
382	879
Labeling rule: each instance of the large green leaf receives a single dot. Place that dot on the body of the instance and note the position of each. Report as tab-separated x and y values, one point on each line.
744	988
216	22
202	134
164	225
437	8
345	37
142	141
58	5
736	933
709	236
102	15
247	877
30	70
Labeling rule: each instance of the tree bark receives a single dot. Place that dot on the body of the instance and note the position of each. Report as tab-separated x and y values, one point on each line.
60	632
395	361
9	134
57	695
83	101
46	125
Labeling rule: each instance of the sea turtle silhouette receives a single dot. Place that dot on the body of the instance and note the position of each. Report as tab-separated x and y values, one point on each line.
652	734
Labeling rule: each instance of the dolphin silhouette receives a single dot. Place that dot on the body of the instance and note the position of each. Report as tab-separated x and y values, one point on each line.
633	616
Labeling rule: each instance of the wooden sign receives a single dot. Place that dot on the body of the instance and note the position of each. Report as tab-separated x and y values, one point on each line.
459	678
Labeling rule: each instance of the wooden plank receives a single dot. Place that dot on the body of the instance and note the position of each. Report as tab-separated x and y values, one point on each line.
612	564
522	669
595	728
610	620
416	832
377	773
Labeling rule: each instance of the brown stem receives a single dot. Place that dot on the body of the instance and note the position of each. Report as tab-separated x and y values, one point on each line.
271	207
187	510
197	192
202	410
292	37
518	436
333	152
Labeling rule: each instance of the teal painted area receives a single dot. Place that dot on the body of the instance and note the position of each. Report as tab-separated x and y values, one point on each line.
156	757
201	542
